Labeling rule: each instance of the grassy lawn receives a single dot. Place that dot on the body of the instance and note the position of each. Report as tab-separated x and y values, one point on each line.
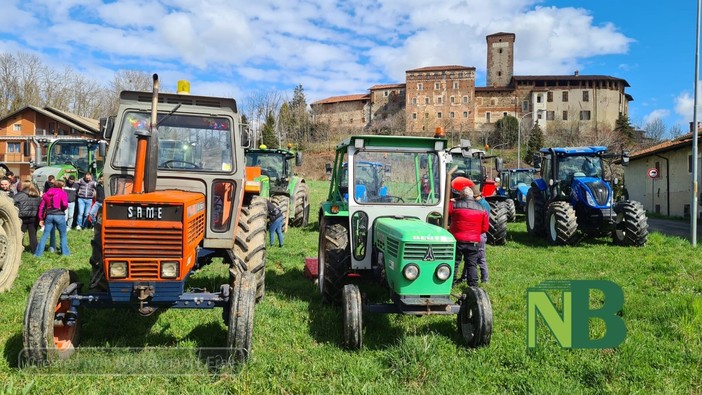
297	339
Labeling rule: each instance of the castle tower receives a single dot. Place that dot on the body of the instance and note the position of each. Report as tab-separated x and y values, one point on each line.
500	59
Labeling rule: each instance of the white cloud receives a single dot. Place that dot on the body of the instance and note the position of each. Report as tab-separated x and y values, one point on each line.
656	114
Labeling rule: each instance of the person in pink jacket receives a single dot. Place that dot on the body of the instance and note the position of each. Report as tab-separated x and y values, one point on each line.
52	209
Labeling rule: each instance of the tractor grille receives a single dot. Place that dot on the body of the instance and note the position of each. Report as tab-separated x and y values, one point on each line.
143	270
600	190
418	252
143	243
393	247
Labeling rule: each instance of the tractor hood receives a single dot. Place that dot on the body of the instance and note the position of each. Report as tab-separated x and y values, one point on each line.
593	191
411	230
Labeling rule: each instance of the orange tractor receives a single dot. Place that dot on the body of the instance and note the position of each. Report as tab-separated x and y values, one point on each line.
170	208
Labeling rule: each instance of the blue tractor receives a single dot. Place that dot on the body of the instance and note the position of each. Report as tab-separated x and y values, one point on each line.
572	195
515	184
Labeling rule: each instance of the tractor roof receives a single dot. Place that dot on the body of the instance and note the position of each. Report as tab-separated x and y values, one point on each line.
392	142
588	150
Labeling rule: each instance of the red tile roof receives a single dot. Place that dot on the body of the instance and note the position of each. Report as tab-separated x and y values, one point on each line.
685	139
441	68
386	86
346	98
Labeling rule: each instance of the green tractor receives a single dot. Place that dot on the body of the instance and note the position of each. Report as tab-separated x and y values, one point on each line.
67	157
470	163
286	190
393	234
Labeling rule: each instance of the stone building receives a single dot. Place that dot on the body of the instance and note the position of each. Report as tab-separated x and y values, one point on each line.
447	96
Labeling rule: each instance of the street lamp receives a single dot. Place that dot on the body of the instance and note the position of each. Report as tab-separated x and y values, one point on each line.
519	135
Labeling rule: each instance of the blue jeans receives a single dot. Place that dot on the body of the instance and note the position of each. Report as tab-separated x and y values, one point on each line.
83	211
276	227
94	211
59	222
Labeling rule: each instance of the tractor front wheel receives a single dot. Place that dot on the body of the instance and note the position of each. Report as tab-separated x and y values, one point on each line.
242	300
511	210
353	317
51	327
630	225
562	223
535	212
301	209
250	243
334	258
475	317
10	243
498	217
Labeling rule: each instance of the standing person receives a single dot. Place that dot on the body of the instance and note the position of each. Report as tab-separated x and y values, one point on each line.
14	182
27	201
50	181
99	197
275	223
468	222
86	192
52	214
482	261
5	187
71	192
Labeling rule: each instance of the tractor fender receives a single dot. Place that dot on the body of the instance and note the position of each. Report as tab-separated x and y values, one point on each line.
326	210
540	183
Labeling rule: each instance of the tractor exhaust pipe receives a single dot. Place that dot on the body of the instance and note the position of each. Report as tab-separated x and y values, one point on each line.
448	196
145	149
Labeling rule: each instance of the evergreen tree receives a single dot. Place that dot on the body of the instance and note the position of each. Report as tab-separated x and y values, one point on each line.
623	126
268	135
534	144
506	129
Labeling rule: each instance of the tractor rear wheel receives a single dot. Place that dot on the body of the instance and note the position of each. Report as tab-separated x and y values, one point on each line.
498	217
242	300
475	317
301	209
562	223
535	212
10	243
630	225
250	243
51	331
511	210
352	308
283	203
334	258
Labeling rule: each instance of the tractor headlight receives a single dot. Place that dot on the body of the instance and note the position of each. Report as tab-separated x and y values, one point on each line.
590	199
443	272
169	269
118	270
411	272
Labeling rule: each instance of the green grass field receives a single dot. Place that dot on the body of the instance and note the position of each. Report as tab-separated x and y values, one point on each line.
297	339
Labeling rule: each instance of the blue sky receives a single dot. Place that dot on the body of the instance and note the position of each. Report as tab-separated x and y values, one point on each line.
242	48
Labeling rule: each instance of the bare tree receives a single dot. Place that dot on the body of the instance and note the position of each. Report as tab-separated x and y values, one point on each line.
655	130
257	106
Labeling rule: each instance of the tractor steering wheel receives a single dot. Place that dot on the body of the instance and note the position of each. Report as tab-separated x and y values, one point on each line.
167	164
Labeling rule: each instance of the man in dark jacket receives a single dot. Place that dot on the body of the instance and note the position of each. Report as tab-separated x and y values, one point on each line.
86	192
72	193
27	202
99	197
275	223
468	222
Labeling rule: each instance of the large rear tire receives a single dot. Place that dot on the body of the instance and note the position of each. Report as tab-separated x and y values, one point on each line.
241	317
283	203
51	331
562	223
10	243
630	225
334	258
352	308
250	243
475	317
511	210
498	216
301	210
535	212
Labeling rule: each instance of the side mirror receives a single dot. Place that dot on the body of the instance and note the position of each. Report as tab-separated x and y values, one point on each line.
107	125
625	158
102	148
328	168
245	137
298	159
498	164
537	161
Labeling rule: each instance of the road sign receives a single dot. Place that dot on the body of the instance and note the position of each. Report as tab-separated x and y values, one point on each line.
653	172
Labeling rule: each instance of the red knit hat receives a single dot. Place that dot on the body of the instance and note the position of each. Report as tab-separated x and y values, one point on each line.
459	183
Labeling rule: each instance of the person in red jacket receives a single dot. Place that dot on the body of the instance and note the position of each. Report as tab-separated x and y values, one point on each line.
468	222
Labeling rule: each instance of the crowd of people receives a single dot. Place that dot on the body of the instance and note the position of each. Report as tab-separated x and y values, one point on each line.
61	205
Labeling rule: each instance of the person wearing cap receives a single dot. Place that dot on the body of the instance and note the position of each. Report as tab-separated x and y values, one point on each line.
482	261
468	222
